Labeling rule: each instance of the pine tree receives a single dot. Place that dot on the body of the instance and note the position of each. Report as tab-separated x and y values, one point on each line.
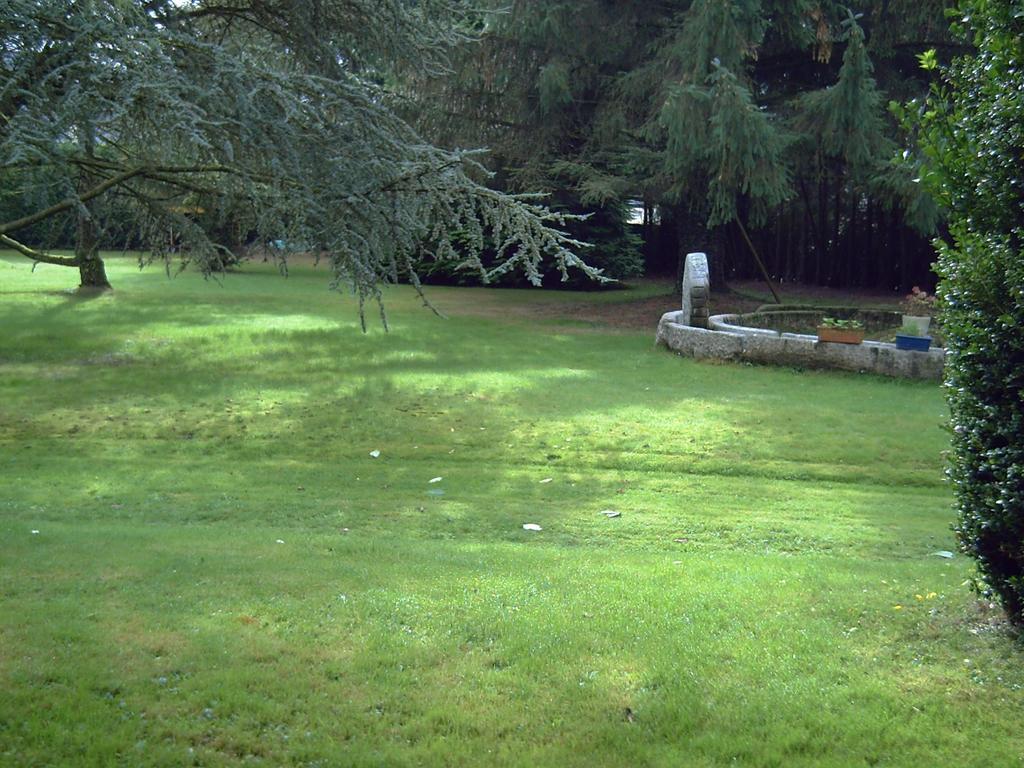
613	101
846	120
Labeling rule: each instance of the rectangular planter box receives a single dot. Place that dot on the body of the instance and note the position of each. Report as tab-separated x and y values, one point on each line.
913	343
841	335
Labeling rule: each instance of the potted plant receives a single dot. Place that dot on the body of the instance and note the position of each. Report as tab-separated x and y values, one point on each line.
841	331
909	338
918	308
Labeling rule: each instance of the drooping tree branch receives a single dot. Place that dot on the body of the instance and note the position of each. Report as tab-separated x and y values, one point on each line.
71	202
105	186
31	253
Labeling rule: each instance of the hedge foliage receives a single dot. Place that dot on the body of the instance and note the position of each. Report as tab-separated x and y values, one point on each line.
973	137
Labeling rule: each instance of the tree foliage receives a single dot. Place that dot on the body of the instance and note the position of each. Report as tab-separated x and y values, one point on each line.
275	107
973	140
756	111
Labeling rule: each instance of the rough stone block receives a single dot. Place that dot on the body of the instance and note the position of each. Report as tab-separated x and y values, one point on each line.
696	283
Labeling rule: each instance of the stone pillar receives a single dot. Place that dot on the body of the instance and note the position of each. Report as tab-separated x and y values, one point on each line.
696	290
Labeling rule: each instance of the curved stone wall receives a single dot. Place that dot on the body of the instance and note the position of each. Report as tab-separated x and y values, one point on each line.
724	339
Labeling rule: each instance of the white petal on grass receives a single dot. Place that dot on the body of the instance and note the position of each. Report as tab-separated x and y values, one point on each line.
436	479
34	531
280	541
375	454
546	480
531	527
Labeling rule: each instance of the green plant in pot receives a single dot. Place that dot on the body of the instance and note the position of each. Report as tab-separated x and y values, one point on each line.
838	331
918	310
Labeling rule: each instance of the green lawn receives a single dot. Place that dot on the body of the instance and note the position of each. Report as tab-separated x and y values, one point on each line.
223	574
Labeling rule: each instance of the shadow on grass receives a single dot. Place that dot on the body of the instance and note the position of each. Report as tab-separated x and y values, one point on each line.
166	407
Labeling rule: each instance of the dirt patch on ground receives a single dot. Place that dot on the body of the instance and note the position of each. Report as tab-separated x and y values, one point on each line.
616	310
640	315
795	293
643	314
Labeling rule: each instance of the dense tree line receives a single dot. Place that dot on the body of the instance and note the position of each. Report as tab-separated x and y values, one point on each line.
745	126
756	130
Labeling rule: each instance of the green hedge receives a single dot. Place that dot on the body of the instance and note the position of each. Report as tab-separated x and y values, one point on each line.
973	137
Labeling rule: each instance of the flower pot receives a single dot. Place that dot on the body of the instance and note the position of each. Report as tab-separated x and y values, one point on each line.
920	322
913	343
841	335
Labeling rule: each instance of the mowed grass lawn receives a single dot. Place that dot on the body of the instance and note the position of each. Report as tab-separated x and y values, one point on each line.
202	564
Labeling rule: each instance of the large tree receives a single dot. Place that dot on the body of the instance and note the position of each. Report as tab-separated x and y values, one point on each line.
157	109
727	115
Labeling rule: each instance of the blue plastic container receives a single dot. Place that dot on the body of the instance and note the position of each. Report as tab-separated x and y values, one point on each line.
913	343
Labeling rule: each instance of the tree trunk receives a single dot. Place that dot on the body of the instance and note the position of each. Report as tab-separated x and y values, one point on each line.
823	265
798	245
869	246
93	275
91	269
856	266
760	264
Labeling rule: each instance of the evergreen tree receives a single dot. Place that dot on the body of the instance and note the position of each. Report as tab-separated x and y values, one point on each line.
613	101
275	106
845	121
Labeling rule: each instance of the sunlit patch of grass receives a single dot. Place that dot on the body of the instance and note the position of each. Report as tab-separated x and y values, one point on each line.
223	573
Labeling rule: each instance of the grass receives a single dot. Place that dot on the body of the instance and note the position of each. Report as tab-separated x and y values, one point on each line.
224	575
